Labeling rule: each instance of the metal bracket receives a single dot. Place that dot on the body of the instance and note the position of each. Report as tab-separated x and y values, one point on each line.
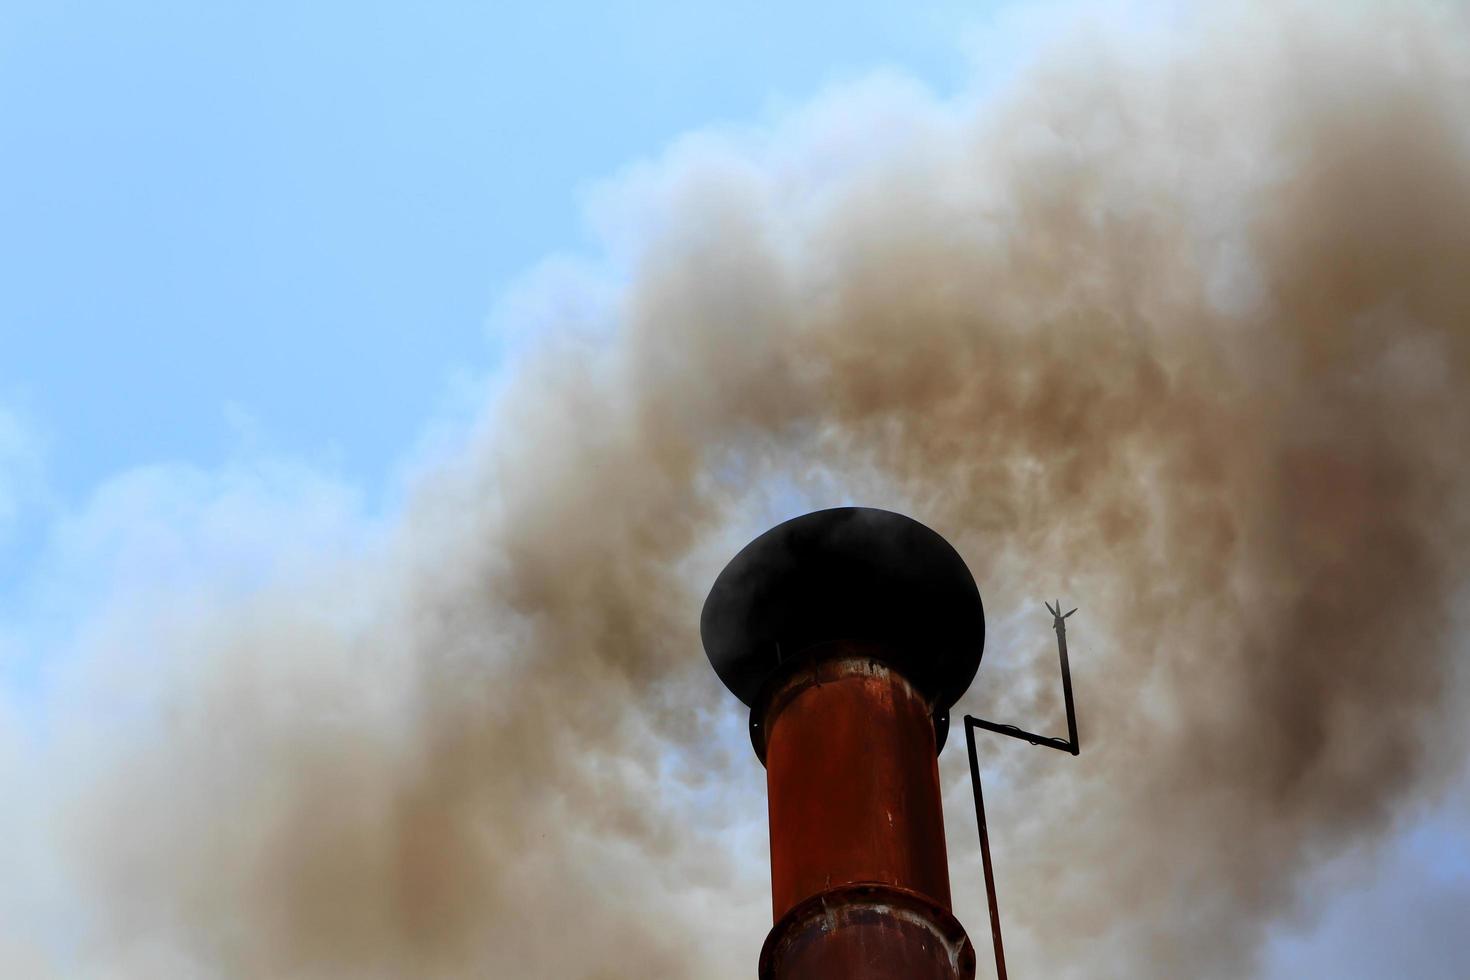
1069	745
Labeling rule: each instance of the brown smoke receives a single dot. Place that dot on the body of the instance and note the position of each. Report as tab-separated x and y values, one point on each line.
1182	336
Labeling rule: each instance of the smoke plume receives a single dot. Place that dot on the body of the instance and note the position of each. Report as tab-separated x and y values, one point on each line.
1177	330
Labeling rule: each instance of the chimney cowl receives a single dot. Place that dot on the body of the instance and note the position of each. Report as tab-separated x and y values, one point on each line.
855	574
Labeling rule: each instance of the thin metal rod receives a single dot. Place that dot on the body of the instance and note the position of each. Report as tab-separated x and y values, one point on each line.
1000	953
1025	736
1070	744
1060	624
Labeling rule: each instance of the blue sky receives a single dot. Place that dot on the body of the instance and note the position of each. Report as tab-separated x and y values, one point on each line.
240	228
293	219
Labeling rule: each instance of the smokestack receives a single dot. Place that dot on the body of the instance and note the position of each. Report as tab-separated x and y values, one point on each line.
850	633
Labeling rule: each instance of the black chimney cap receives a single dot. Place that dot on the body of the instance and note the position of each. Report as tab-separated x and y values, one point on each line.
849	573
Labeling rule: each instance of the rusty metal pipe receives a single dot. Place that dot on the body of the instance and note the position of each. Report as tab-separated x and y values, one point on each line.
852	780
850	633
859	876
